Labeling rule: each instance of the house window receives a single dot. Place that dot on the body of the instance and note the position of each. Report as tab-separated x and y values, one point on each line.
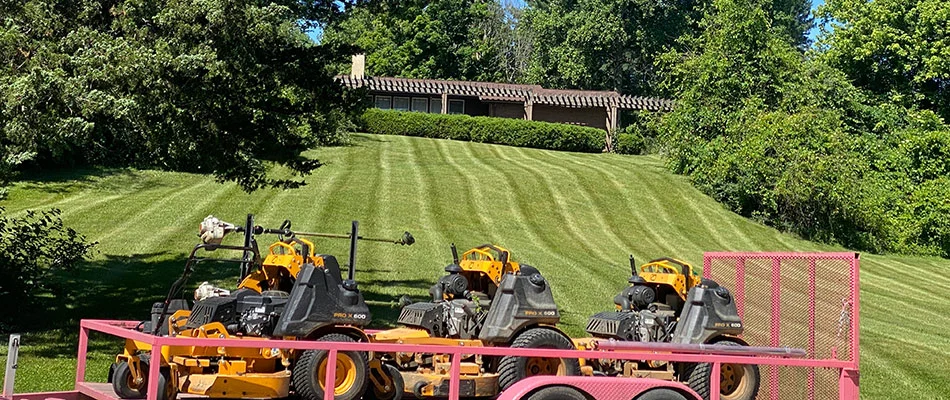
384	102
456	106
401	103
435	106
420	104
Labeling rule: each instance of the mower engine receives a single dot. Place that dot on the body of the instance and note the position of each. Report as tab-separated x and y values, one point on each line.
454	312
655	323
244	313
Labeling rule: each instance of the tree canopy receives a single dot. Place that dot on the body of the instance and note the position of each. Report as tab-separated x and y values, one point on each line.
224	87
603	44
896	49
447	39
790	141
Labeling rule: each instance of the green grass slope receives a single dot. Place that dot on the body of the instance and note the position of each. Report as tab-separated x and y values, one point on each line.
575	216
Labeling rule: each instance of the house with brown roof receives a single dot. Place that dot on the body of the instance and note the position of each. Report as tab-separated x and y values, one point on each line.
598	109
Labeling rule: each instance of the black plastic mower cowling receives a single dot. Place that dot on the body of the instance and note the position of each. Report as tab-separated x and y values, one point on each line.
710	311
521	301
320	299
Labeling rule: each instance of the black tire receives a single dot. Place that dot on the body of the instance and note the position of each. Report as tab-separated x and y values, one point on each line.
743	385
513	369
122	382
661	394
557	393
395	392
307	383
126	389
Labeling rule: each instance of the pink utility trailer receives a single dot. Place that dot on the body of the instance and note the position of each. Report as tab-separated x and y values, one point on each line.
806	302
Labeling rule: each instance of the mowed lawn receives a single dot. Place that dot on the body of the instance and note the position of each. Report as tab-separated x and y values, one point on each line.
574	216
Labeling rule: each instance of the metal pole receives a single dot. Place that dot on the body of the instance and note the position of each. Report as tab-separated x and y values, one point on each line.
13	352
81	356
248	239
329	384
353	237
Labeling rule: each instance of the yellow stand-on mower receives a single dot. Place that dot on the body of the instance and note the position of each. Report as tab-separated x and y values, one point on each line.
485	300
292	294
669	302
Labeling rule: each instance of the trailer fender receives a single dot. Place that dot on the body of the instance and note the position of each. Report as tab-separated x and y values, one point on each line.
600	387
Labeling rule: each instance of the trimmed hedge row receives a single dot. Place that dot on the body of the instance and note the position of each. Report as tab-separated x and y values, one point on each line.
506	131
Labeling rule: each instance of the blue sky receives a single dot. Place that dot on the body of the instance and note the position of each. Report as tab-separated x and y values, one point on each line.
814	31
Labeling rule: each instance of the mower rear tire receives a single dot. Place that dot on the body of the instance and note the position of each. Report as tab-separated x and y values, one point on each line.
309	372
557	393
737	381
661	394
513	369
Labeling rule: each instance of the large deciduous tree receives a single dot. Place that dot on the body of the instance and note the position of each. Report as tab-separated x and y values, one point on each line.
603	44
899	49
448	39
227	87
786	139
614	44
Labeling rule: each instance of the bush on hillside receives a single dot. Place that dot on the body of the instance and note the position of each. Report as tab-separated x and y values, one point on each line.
506	131
640	134
630	143
34	248
791	142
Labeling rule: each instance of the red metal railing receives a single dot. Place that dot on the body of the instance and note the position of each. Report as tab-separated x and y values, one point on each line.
613	350
783	297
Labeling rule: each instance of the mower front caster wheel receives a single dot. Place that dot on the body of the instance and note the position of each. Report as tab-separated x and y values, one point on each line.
394	391
126	388
309	373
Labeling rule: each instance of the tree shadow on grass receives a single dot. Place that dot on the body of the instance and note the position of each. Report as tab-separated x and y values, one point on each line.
117	287
66	180
359	139
125	287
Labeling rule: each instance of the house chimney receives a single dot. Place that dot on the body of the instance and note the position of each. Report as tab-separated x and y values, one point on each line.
358	70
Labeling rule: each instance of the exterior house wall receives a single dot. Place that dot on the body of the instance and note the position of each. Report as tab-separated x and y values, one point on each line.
592	117
507	110
595	117
474	107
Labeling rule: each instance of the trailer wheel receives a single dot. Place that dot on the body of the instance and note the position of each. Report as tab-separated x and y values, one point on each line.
513	369
661	394
557	393
395	392
308	375
737	381
125	387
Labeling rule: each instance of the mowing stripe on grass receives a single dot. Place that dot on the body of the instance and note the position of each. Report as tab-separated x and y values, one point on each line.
577	179
507	196
561	207
572	215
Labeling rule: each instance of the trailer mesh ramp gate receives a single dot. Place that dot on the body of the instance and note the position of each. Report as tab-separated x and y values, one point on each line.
801	300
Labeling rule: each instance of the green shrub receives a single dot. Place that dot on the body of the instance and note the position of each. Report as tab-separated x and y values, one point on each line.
34	248
791	142
511	132
630	143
